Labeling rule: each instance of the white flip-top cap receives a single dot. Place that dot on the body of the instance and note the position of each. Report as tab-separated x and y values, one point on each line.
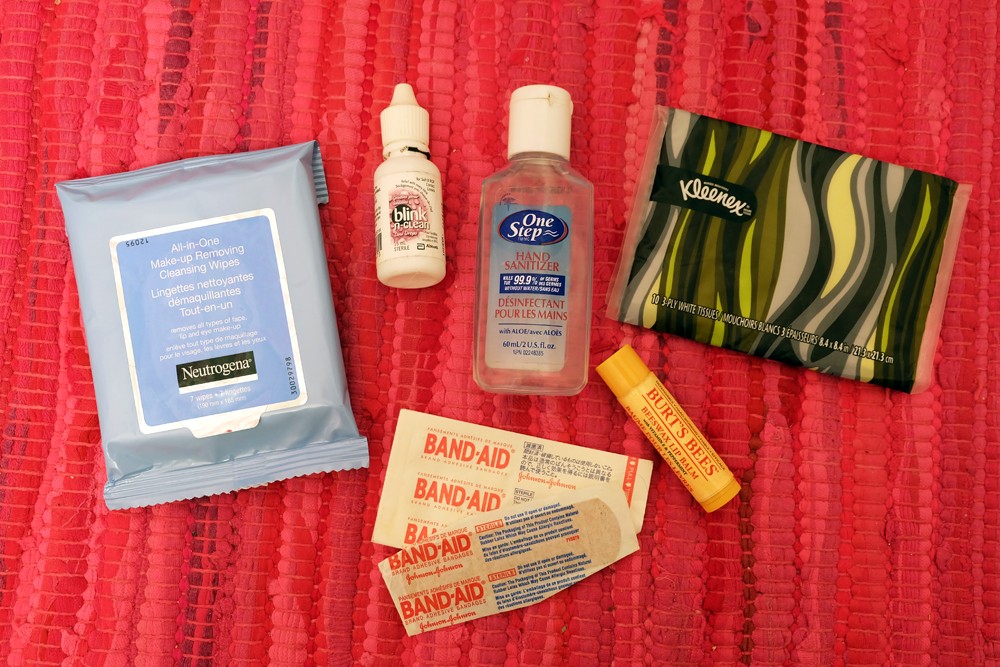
404	122
540	120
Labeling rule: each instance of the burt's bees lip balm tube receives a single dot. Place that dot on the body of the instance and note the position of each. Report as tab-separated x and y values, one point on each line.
667	426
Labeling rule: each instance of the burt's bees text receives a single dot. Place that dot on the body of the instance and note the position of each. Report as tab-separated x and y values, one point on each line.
676	438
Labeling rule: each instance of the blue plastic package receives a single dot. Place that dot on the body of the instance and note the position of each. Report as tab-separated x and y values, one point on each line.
209	321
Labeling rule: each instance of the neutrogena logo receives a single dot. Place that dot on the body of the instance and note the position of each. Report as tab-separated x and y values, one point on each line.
533	227
199	374
716	197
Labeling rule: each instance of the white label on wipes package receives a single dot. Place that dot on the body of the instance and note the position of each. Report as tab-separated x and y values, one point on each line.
208	323
508	559
443	470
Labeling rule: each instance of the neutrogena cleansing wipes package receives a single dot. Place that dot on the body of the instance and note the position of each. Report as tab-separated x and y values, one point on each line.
208	315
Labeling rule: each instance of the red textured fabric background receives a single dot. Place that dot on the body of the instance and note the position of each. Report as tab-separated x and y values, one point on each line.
867	529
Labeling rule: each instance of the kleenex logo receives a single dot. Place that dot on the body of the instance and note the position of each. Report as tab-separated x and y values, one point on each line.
533	228
717	194
715	197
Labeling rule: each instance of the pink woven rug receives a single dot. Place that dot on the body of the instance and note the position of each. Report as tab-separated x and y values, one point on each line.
867	529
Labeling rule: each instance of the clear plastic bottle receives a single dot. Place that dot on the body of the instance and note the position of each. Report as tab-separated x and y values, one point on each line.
533	281
409	230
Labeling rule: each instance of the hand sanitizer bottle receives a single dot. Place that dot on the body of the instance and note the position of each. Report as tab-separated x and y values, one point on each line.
409	231
533	281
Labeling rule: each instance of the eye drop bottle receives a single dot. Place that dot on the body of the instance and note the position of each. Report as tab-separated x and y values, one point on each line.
533	280
409	231
669	429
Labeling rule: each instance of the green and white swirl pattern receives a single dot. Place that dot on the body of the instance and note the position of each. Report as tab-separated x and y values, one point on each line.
836	270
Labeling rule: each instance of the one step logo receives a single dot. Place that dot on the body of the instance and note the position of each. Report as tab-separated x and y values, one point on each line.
216	372
533	227
705	194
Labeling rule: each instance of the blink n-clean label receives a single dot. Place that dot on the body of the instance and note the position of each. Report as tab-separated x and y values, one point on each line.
208	321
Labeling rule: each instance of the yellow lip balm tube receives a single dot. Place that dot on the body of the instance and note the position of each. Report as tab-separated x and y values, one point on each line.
668	427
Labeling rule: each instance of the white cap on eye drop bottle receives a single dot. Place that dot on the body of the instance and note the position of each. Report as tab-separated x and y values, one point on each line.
404	122
540	121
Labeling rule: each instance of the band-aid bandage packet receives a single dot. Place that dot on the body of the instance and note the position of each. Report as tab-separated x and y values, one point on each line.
508	559
442	470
